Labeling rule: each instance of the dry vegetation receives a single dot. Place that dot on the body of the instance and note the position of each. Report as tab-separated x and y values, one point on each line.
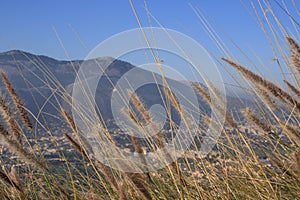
234	170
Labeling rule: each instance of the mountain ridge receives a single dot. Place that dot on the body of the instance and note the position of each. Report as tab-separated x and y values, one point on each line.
39	79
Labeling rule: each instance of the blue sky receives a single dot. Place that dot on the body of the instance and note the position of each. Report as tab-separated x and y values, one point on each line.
37	26
29	25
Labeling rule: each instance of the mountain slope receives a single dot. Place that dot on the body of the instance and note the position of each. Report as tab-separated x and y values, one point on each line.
39	80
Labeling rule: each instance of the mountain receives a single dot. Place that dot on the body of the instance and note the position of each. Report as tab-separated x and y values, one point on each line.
39	79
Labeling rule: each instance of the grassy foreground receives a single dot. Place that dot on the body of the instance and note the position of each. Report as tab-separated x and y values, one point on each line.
242	166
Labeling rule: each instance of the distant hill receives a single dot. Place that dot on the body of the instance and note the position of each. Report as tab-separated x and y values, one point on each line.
32	75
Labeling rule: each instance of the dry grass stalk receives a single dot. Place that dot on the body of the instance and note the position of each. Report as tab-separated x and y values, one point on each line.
176	168
69	120
230	120
17	101
9	181
17	150
202	92
10	121
295	52
15	147
90	196
107	172
133	116
216	92
83	141
256	79
136	145
138	104
25	156
268	100
139	181
159	137
138	148
297	162
292	132
217	108
137	178
122	195
251	116
292	88
77	146
281	165
206	119
169	95
104	169
14	176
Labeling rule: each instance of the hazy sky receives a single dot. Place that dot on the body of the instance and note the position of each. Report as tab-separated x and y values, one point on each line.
39	26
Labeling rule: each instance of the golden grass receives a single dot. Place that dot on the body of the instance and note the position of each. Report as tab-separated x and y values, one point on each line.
262	164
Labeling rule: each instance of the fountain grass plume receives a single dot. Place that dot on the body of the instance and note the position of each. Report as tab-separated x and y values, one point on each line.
294	52
17	101
275	90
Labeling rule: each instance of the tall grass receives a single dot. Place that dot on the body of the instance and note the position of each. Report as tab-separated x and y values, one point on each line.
262	162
